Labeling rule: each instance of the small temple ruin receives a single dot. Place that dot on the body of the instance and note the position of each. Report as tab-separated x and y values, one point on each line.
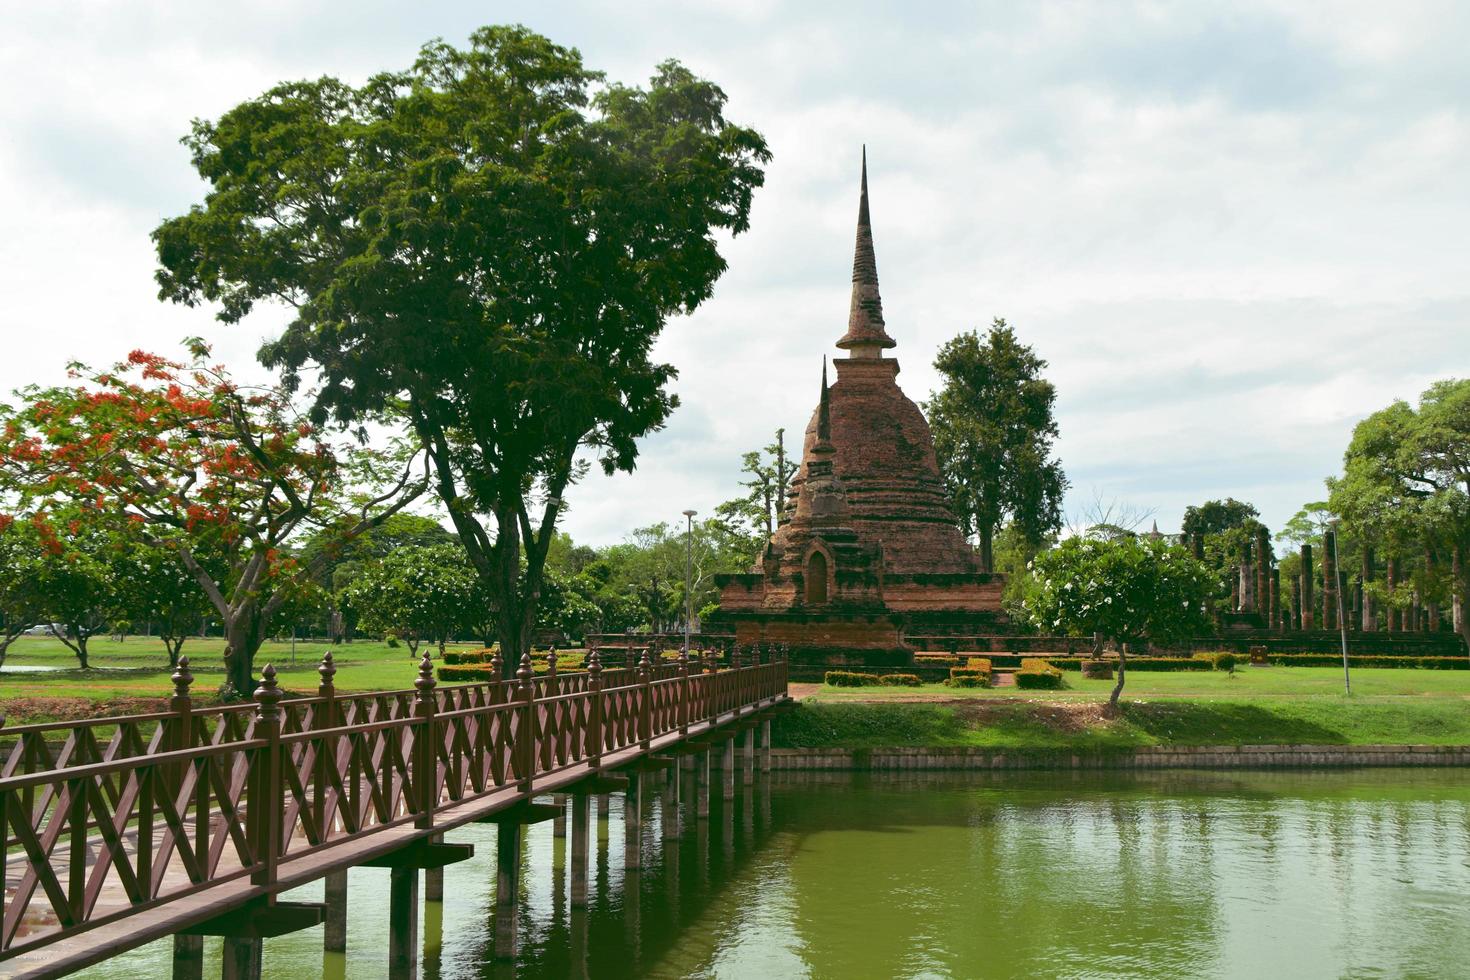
867	556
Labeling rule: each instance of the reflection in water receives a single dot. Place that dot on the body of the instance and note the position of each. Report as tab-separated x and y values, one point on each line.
959	875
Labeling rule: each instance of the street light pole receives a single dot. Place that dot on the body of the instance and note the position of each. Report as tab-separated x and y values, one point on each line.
688	576
1347	681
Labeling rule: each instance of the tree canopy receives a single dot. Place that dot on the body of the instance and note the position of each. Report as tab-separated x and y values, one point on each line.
993	431
1128	590
485	247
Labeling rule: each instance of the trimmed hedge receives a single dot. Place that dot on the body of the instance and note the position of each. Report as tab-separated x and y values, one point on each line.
974	678
850	678
1368	660
1038	675
1219	660
979	663
466	673
900	680
460	657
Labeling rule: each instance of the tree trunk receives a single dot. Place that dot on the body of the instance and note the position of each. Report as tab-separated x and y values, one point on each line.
173	644
1097	645
243	637
1112	709
987	549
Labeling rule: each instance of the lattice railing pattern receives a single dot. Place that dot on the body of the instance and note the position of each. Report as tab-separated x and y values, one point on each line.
104	818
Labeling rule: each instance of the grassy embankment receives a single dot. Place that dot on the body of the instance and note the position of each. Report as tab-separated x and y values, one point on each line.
1260	705
1273	705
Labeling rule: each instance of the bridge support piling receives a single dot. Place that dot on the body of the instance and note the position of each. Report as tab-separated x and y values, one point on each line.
701	785
633	822
766	745
581	818
241	959
434	877
747	761
334	933
507	888
403	924
727	768
188	957
559	825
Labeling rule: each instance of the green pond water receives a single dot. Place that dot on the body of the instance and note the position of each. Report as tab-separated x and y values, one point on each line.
1172	874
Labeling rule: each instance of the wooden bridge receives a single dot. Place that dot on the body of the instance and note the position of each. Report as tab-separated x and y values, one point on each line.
192	821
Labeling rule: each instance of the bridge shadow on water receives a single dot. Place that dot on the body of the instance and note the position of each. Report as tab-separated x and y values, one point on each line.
634	918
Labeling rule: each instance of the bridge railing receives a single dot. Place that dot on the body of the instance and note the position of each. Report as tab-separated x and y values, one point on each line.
172	803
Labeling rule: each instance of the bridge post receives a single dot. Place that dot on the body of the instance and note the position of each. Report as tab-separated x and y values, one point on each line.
507	888
188	950
326	715
701	785
242	954
684	692
592	748
645	703
747	757
765	745
559	823
581	817
727	768
403	923
525	747
633	820
188	957
334	935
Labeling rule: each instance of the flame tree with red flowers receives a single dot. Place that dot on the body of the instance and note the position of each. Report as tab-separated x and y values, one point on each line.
223	474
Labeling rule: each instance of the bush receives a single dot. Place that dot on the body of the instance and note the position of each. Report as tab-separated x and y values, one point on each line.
848	678
979	663
974	678
1219	660
1038	675
460	657
392	640
1099	670
466	673
900	680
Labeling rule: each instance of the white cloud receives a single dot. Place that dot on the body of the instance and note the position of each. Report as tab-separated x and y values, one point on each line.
1232	230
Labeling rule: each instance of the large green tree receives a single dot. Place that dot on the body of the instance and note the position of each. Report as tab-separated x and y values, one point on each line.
993	433
419	593
1129	590
1406	476
22	595
484	246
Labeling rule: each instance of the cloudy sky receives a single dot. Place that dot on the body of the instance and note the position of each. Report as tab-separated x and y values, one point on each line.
1232	230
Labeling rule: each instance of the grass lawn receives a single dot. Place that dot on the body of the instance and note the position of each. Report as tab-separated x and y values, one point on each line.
1248	682
137	668
1270	705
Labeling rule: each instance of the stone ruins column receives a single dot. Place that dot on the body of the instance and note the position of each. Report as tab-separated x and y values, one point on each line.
1329	579
1308	621
1263	572
1296	603
1247	580
1273	613
1368	606
1391	581
1457	608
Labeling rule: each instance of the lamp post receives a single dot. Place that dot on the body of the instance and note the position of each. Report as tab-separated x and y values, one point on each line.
1347	681
688	576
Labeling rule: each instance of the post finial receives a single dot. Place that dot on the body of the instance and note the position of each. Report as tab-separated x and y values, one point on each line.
327	670
182	678
425	682
526	674
267	693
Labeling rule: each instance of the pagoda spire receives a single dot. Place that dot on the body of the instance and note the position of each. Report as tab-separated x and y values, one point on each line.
866	336
824	417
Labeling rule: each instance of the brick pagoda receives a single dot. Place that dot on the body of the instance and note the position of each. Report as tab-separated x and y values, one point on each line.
867	554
